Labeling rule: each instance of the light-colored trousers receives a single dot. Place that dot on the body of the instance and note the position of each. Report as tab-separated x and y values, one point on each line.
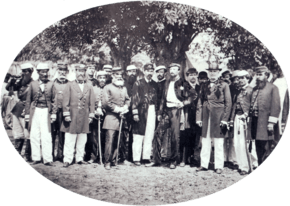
70	142
145	141
18	128
206	150
240	147
40	135
229	150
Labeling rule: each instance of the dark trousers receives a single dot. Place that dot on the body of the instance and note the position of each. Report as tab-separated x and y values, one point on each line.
187	144
262	146
19	143
111	146
92	145
174	116
128	143
56	132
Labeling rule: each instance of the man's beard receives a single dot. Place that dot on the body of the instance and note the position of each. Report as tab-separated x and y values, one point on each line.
118	82
61	77
149	77
43	78
132	79
90	76
80	77
261	84
160	77
102	83
26	79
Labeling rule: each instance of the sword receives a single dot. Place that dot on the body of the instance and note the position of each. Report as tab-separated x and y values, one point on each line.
247	151
99	138
119	137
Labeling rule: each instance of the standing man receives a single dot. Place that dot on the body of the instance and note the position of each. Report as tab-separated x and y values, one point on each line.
40	112
108	69
128	133
264	113
240	112
229	150
116	103
213	116
172	102
59	86
188	136
78	111
144	106
92	145
20	133
161	72
90	74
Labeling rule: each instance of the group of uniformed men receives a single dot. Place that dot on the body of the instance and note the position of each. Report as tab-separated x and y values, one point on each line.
229	115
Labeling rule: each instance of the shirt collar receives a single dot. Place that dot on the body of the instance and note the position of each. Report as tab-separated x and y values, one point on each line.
176	78
80	82
192	85
162	80
147	80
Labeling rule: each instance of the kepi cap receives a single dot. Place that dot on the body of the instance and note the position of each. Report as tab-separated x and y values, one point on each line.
148	66
131	67
62	65
242	73
160	67
42	66
107	66
101	73
115	69
174	65
261	69
26	65
191	71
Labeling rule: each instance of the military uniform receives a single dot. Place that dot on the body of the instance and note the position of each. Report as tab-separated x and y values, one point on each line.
20	132
59	87
115	97
39	109
79	105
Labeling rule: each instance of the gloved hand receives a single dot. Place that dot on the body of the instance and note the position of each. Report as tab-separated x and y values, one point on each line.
199	123
180	105
67	119
136	118
231	123
224	124
52	119
242	117
99	112
271	127
159	117
90	120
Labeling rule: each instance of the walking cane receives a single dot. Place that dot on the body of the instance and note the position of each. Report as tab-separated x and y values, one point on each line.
247	151
119	137
99	138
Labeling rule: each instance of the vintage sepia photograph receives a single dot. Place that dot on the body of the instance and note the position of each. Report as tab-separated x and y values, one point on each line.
144	103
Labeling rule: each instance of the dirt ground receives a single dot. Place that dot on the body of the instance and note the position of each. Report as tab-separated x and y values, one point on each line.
129	184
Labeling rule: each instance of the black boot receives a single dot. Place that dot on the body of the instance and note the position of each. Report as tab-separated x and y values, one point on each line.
19	145
27	154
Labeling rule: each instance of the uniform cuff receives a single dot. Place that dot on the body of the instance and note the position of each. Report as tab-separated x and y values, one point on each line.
53	116
273	119
186	102
91	115
134	111
27	116
117	109
65	114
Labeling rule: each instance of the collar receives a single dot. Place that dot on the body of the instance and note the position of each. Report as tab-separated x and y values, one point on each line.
41	82
81	82
192	85
162	80
244	87
147	80
176	78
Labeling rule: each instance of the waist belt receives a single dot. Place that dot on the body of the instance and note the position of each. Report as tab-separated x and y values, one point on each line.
41	105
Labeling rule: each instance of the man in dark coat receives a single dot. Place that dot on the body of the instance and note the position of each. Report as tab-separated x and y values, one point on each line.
213	116
20	133
40	112
116	103
92	145
172	102
240	113
188	136
59	86
131	78
78	111
144	107
265	110
161	74
91	69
